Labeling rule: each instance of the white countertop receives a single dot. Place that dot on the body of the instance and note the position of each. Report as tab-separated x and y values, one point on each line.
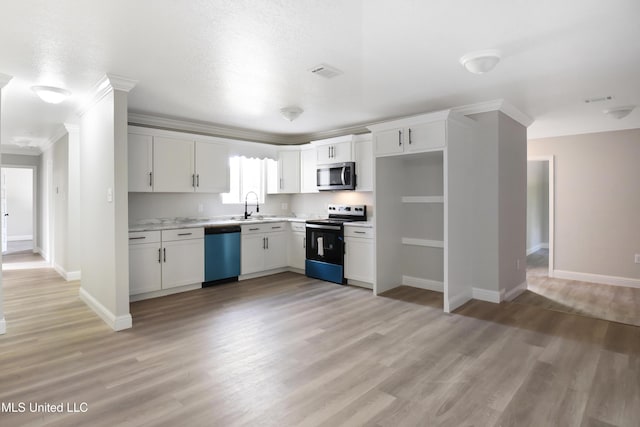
174	223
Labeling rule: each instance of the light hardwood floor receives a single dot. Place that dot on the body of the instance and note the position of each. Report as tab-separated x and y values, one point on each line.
287	350
615	303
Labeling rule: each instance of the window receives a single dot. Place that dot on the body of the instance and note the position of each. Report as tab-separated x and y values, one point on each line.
245	175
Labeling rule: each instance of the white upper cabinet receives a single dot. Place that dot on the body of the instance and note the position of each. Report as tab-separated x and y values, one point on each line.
308	169
363	156
167	164
140	163
284	177
334	150
212	167
411	135
173	165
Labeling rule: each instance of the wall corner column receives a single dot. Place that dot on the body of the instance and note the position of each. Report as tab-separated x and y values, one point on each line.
4	80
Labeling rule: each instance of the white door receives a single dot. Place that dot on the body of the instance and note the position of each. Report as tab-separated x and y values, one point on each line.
426	136
173	165
182	263
297	254
145	270
3	196
308	171
212	168
252	251
289	165
388	141
275	255
140	148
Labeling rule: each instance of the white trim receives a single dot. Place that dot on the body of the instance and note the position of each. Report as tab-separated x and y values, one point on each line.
486	295
164	292
55	137
117	323
360	284
423	242
104	86
4	80
23	151
17	238
3	326
496	105
417	282
512	294
452	303
534	249
67	275
597	278
544	246
552	209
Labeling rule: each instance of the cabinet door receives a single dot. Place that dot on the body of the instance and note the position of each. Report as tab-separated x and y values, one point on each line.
275	255
212	167
323	154
183	263
140	148
358	259
297	255
308	179
364	165
252	250
388	141
173	165
289	171
426	136
341	152
144	268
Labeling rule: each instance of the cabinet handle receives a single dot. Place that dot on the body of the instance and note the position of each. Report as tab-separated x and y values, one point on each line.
304	243
267	243
150	179
198	178
193	180
399	138
137	238
264	243
275	227
159	255
164	251
329	150
359	232
409	135
281	187
254	229
185	234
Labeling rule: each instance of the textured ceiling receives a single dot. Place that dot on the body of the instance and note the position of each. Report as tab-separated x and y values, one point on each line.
236	63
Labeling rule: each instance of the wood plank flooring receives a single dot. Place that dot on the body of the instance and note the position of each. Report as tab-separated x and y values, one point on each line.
287	350
615	303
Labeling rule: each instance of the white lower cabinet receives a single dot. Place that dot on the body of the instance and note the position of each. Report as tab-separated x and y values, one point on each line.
165	259
297	245
359	254
263	247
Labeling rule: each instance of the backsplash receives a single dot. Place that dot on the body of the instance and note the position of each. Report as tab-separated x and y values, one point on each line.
315	204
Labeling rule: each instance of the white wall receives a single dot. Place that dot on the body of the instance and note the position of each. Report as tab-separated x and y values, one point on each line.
103	158
19	193
59	193
537	205
597	202
315	204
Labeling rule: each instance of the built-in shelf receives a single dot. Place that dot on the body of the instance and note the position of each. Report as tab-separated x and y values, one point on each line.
423	242
423	199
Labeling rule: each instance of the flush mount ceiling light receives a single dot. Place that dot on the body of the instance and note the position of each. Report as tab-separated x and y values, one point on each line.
50	94
619	112
291	113
482	61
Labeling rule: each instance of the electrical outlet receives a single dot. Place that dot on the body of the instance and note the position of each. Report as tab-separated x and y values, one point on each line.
110	195
200	208
637	258
284	206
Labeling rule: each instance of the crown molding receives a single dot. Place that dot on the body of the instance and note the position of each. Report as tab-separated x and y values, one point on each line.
495	105
104	86
14	149
4	80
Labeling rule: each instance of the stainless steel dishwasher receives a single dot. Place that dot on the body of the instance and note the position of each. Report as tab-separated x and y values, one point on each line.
221	254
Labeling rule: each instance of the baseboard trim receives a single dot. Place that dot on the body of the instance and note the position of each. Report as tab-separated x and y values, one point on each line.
20	237
512	294
117	323
3	326
597	278
486	295
544	246
67	275
417	282
455	302
164	292
43	254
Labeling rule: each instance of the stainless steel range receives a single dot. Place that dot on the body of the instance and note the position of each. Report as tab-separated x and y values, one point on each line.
325	242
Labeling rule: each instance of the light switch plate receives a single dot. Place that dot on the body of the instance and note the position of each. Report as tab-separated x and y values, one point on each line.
637	258
109	194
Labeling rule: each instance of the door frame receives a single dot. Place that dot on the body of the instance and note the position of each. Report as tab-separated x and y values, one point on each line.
34	197
552	210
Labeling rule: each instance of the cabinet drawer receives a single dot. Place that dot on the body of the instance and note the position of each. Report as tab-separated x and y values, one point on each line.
298	227
363	232
253	228
274	227
139	237
182	234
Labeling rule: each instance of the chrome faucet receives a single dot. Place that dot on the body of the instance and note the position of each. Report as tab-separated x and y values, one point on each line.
248	214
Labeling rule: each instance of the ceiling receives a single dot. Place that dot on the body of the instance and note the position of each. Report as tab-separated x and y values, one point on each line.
236	63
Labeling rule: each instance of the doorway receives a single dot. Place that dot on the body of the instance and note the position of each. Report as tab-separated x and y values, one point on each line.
18	209
540	217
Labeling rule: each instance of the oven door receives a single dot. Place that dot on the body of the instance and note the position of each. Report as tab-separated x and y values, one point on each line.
339	176
325	243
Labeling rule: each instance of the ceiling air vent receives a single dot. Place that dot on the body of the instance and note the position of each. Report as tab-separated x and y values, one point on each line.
600	99
326	71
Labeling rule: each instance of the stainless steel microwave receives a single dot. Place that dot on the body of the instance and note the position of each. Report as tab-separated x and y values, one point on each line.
338	176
